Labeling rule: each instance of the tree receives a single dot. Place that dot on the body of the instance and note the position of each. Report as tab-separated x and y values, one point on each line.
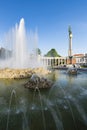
52	53
38	51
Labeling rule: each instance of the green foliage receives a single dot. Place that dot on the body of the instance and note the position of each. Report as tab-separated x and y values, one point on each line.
38	51
52	53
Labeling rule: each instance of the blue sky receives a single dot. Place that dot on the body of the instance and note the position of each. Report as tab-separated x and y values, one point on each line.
51	18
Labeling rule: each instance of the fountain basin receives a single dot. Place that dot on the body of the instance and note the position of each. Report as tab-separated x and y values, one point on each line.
9	73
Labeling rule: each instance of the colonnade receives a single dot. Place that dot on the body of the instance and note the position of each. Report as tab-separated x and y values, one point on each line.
54	61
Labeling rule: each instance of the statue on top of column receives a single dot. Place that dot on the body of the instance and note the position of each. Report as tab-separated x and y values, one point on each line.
70	32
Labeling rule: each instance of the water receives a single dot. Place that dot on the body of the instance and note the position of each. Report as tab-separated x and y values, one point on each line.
13	95
43	117
62	107
23	46
20	53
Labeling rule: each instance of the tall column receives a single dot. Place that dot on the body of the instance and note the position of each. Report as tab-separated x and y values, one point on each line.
70	45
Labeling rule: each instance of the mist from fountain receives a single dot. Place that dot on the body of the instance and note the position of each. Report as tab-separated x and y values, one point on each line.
19	40
20	46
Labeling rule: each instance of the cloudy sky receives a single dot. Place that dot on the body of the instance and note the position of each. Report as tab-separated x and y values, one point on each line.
51	18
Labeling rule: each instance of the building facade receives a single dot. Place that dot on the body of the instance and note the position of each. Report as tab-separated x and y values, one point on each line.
54	61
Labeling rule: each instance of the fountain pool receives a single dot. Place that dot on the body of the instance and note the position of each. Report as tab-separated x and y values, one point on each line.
61	107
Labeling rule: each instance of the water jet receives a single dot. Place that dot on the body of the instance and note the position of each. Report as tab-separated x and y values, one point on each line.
21	59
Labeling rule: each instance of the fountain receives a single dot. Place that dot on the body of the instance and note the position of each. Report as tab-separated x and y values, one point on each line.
21	61
18	38
36	82
61	107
